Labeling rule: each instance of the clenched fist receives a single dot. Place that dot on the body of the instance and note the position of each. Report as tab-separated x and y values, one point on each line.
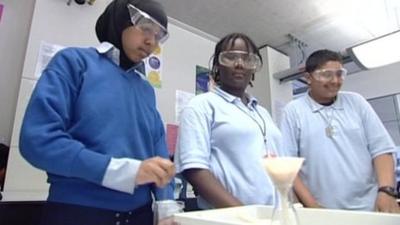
155	170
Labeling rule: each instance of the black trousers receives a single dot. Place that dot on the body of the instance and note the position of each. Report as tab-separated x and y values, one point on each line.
67	214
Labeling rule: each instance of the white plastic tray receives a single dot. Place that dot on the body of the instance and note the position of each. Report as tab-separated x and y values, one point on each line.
259	214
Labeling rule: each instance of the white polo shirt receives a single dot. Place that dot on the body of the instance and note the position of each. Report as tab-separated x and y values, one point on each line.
338	170
217	133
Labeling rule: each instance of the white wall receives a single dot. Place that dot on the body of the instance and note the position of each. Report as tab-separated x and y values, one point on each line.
375	83
281	93
269	91
14	32
186	48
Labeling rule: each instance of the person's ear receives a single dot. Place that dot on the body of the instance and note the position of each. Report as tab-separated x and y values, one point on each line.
214	71
307	76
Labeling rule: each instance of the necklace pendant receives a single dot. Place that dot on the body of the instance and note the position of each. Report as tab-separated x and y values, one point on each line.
330	131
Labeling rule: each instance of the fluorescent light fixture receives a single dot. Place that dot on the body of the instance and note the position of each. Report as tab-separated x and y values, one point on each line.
378	52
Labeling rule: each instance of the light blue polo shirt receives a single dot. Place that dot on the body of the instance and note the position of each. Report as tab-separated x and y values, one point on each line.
217	133
338	170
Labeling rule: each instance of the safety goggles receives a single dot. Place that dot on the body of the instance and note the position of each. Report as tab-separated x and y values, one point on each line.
328	74
147	24
249	61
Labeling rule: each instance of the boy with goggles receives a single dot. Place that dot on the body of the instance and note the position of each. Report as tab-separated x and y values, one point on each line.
344	142
329	74
93	126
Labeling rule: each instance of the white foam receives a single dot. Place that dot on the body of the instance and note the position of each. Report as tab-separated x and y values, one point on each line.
282	170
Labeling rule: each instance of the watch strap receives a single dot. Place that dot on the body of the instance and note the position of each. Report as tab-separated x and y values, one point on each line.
389	190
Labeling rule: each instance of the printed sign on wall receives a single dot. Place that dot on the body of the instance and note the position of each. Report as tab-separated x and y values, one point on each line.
46	53
153	66
204	81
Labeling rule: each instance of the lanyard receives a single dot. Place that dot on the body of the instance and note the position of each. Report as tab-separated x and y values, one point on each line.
263	128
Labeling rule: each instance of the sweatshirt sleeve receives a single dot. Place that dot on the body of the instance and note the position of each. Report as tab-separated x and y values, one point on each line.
44	140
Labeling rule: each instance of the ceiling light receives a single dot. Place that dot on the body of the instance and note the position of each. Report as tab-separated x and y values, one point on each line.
378	52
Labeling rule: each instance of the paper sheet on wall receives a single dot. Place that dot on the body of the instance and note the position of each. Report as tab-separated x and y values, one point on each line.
46	52
182	99
1	10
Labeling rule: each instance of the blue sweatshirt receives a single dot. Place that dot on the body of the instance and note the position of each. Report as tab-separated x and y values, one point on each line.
84	110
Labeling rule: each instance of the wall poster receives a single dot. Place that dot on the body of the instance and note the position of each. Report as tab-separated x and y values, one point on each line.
202	79
153	66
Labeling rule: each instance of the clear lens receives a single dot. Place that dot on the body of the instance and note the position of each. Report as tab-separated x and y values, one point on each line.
149	26
328	74
248	60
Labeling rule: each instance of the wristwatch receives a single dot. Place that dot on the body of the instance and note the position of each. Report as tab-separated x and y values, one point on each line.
389	190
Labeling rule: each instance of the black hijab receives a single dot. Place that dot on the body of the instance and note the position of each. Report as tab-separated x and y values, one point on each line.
116	18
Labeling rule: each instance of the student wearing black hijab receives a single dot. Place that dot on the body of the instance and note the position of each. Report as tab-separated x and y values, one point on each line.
93	126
